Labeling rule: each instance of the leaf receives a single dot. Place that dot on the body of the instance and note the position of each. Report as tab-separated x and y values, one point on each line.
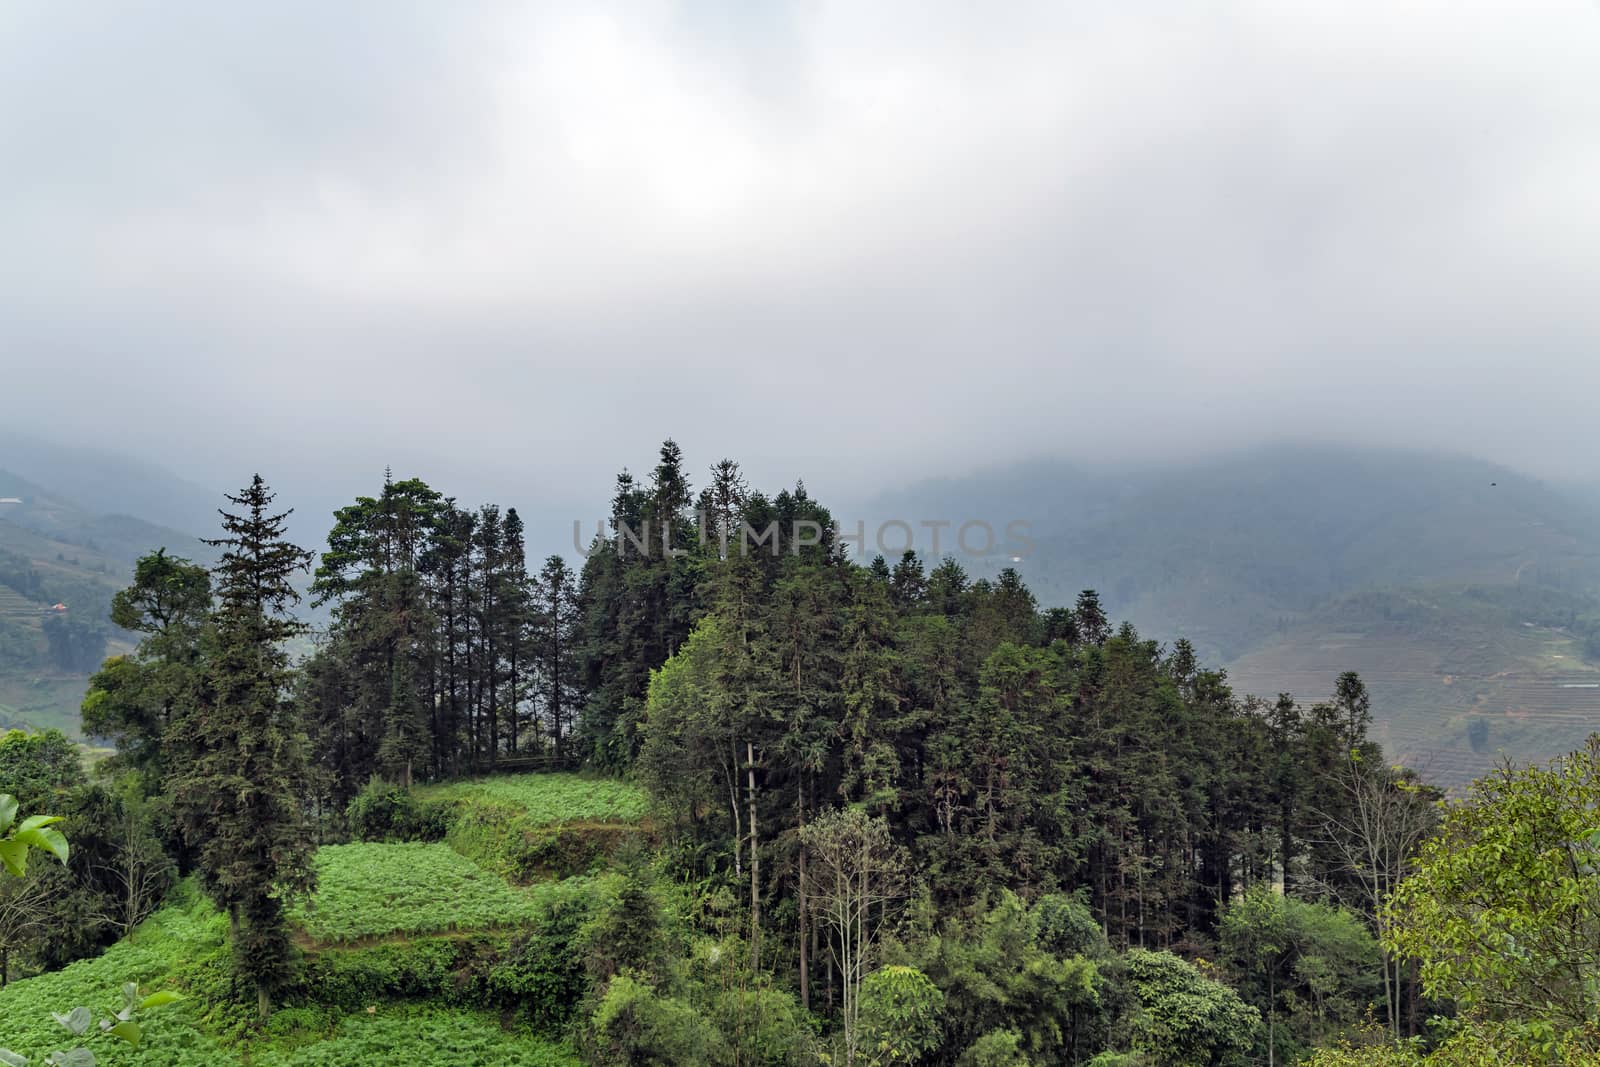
50	841
35	822
8	811
130	994
12	1059
78	1057
128	1031
165	996
77	1020
14	854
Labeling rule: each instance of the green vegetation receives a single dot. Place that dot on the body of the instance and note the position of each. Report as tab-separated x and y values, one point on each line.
827	814
370	890
418	1035
174	949
551	798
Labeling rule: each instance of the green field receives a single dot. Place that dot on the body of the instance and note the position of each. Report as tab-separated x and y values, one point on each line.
366	891
420	1035
376	890
550	798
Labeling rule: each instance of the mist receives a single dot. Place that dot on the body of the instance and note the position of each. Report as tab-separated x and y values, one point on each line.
512	248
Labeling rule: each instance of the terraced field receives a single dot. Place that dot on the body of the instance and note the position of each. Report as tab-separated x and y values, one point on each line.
376	890
1528	686
551	798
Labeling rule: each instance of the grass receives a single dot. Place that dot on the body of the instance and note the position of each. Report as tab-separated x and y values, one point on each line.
551	797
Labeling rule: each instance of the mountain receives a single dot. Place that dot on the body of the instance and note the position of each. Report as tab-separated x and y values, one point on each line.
1460	590
103	482
60	564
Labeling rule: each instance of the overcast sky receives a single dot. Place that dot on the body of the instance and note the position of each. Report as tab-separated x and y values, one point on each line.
512	247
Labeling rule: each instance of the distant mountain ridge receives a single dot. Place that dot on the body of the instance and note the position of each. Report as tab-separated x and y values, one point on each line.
101	482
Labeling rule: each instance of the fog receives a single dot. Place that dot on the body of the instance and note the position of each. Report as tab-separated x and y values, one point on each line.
512	247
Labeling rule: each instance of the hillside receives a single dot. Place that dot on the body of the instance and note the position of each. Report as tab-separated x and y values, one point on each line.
54	551
415	950
1292	564
109	482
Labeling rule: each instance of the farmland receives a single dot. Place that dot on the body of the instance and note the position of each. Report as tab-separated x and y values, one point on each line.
423	904
372	890
420	1035
550	798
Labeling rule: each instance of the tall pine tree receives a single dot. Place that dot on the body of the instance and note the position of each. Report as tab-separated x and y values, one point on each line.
240	791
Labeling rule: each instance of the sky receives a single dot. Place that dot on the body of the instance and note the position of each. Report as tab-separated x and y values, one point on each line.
512	247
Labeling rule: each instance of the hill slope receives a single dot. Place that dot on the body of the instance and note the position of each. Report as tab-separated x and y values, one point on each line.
1260	558
414	951
60	564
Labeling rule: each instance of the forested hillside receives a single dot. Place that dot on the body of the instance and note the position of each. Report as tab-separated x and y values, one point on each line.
828	812
1461	591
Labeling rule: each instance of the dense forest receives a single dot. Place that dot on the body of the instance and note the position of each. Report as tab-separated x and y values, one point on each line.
891	814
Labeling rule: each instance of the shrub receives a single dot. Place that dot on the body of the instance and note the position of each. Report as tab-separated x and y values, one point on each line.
383	811
1183	1017
1068	928
634	1024
900	1015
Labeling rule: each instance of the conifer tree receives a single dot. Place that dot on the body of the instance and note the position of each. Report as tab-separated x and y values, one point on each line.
240	791
556	623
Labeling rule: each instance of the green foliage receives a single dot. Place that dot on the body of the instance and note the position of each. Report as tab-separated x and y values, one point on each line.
997	1048
170	949
439	1038
1183	1017
35	766
900	1015
530	826
542	974
997	976
121	1024
1313	966
636	1026
383	811
1066	927
370	890
33	832
1503	911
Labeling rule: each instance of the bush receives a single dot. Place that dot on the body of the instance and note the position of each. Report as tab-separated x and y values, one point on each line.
633	1024
1183	1017
997	1048
1068	928
542	974
900	1015
383	811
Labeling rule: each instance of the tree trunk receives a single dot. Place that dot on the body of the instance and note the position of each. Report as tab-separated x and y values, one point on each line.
805	969
755	861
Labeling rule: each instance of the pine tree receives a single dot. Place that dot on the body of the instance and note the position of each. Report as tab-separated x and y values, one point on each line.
241	788
516	620
556	623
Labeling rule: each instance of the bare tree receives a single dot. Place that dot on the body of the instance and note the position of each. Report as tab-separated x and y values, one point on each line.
1382	817
856	874
137	871
22	916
